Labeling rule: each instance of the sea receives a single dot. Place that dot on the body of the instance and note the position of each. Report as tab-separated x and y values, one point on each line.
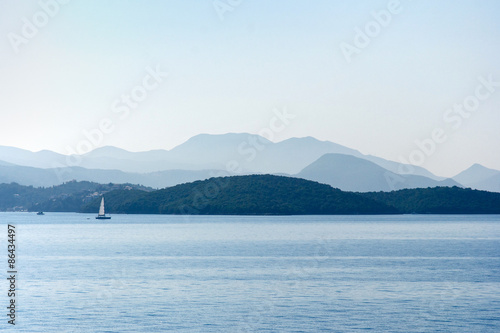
165	273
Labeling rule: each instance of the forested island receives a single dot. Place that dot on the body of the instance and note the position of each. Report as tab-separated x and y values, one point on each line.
245	195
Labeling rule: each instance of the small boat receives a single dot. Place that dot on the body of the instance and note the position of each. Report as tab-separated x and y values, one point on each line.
102	215
40	213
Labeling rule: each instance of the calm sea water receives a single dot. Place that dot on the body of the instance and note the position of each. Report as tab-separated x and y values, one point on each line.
142	273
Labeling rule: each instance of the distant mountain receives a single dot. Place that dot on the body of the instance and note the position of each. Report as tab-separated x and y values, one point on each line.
399	168
50	177
2	163
292	155
491	184
106	158
480	177
216	150
113	152
243	195
41	159
112	158
241	152
350	173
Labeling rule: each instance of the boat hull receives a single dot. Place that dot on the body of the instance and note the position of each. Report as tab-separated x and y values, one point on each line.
103	217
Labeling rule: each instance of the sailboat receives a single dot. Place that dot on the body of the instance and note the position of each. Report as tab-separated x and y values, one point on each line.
102	215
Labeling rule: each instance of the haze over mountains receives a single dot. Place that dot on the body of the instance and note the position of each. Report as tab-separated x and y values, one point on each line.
362	175
252	152
480	177
56	176
205	156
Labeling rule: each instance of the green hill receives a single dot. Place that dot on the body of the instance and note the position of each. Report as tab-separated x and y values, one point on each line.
440	200
243	195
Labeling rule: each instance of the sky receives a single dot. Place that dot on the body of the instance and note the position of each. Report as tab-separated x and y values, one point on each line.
409	81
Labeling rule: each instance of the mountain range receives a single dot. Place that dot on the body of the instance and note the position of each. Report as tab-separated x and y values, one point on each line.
253	153
480	177
205	156
350	173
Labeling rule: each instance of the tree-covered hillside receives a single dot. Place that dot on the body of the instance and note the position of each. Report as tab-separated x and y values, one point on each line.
440	200
245	195
255	194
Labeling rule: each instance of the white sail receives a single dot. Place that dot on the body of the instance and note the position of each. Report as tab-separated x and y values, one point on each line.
101	209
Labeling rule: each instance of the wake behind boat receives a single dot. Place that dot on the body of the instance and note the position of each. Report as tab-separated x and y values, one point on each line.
102	215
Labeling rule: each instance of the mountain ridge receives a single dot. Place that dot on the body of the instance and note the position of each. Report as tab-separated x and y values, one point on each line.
30	176
480	177
252	152
229	154
350	173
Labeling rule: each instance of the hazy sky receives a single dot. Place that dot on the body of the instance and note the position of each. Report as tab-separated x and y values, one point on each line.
371	75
